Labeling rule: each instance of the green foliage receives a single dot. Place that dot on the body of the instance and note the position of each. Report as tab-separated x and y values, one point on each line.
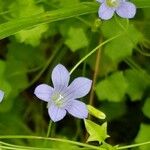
11	27
5	85
25	9
46	33
112	88
96	132
76	35
146	108
122	46
136	84
143	136
141	4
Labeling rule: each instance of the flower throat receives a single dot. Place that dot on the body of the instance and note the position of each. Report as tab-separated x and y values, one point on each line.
113	3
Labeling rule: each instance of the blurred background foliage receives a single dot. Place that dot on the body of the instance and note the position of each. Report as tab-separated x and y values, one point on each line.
38	34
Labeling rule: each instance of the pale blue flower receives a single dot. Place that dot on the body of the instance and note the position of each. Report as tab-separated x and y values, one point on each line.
62	98
123	8
1	95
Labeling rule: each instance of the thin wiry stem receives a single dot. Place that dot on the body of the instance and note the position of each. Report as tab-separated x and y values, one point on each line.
68	141
133	145
94	50
50	139
96	70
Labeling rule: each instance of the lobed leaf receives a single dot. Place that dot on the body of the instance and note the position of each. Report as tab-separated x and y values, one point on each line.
96	132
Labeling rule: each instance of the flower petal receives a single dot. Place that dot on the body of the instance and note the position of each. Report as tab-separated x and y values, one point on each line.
105	12
44	92
78	88
60	77
78	109
1	95
126	10
56	113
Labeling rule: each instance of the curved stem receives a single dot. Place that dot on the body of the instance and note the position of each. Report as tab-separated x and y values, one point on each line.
133	145
68	141
50	139
12	146
94	50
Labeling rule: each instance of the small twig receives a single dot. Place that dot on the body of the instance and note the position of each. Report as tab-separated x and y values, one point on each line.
96	70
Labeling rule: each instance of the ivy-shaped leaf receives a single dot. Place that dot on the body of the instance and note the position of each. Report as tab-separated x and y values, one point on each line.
137	83
122	46
146	107
113	88
24	9
76	39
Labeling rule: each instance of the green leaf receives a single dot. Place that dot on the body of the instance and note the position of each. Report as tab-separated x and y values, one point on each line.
113	110
31	36
95	112
122	46
66	3
141	3
4	84
143	136
25	9
76	39
22	53
146	107
6	87
136	84
96	132
113	88
16	25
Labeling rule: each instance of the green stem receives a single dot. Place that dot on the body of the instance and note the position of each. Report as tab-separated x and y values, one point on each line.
12	146
97	63
68	141
94	50
51	139
46	65
49	129
133	145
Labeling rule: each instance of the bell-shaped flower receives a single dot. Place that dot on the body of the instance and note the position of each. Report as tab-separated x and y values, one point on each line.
62	97
123	8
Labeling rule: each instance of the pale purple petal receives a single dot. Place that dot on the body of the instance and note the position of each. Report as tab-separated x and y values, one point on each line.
60	77
78	88
1	95
44	92
126	10
78	109
105	12
56	113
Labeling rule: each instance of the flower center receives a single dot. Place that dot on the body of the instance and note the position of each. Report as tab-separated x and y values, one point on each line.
58	99
113	3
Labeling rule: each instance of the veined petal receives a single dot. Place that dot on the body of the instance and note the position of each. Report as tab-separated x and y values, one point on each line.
105	12
44	92
126	10
1	95
78	88
56	113
78	109
60	77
